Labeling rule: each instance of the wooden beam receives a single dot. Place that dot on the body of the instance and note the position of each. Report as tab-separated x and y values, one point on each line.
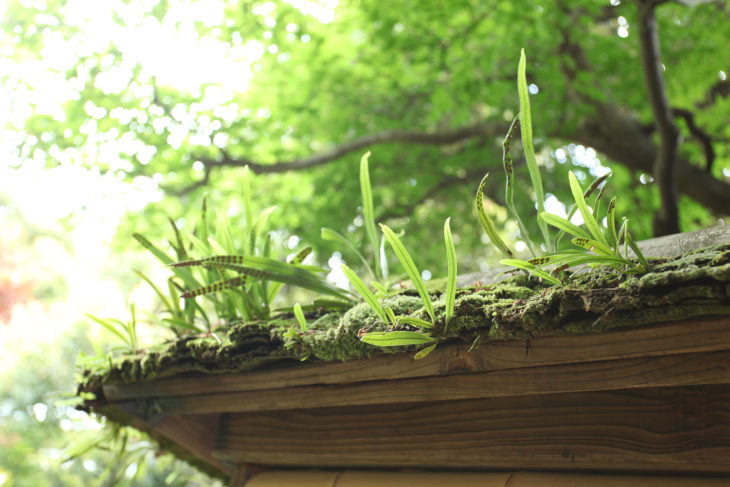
671	370
191	437
702	335
662	430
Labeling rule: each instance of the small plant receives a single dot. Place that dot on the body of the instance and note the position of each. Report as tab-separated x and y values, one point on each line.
126	332
597	245
396	338
379	271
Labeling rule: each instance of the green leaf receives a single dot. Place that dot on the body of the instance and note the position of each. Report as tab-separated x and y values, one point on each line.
389	312
333	236
509	186
215	287
165	301
417	322
363	290
580	202
410	268
527	144
637	250
367	209
300	317
611	222
451	285
247	197
564	225
592	245
109	325
265	268
486	221
256	229
161	256
274	288
397	338
422	353
532	269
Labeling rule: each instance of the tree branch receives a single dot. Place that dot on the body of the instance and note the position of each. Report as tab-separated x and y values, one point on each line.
446	137
447	182
620	136
699	134
665	164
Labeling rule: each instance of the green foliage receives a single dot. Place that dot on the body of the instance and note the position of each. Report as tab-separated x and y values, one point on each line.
600	246
126	332
300	317
410	267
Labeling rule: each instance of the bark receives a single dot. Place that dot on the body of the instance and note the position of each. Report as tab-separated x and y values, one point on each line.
665	163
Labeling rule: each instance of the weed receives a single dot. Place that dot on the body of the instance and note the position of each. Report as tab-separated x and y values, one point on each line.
597	245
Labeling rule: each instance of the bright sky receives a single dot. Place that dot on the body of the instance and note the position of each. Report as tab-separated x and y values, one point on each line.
169	51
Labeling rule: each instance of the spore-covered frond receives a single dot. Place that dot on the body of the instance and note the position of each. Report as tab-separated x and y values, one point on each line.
215	287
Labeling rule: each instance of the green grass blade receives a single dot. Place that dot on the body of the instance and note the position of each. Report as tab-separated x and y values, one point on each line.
110	327
300	317
363	290
380	288
417	322
334	236
391	315
367	209
224	235
487	222
247	197
164	299
397	338
527	144
451	286
564	225
411	269
203	224
179	247
532	269
637	250
580	202
256	229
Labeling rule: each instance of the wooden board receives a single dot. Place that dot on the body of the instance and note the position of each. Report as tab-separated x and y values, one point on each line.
188	436
662	430
672	370
702	335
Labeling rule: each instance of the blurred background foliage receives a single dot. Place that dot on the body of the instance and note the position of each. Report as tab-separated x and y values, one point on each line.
119	113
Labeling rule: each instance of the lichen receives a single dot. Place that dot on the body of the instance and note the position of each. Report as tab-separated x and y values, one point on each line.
696	284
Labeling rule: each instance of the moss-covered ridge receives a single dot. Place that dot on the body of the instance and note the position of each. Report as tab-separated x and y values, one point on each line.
696	284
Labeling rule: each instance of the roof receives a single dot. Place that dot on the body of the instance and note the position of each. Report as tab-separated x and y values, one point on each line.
510	339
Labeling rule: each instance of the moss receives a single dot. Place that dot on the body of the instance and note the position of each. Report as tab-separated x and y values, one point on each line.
696	284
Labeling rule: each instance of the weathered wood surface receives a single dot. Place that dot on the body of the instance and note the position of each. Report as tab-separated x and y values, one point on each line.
658	430
666	246
702	335
189	436
672	370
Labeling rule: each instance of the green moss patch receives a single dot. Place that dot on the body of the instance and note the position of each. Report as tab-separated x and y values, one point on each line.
696	284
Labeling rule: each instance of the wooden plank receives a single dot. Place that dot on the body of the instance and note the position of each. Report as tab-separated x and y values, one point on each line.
711	334
670	370
662	430
191	437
